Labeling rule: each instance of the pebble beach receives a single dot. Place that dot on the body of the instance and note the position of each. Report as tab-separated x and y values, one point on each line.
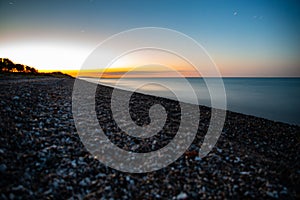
42	156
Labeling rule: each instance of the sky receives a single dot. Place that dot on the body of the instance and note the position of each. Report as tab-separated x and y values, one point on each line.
244	38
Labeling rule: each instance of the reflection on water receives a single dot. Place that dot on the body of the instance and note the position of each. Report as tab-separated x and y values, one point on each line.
271	98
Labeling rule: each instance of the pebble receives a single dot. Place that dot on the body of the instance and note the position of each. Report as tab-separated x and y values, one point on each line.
42	156
244	173
3	168
197	158
73	163
273	194
16	98
182	195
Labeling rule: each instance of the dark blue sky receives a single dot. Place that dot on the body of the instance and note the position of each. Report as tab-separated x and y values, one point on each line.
243	37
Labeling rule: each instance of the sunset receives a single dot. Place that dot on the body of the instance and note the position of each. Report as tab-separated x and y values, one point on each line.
243	38
145	99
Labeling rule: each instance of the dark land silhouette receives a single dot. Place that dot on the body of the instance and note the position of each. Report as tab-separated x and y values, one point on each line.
10	69
6	65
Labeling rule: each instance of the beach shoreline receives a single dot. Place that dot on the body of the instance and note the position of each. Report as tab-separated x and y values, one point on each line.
42	155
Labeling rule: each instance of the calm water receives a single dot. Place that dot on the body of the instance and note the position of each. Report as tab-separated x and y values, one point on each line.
272	98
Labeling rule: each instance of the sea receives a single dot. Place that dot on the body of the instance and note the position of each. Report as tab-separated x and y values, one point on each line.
275	99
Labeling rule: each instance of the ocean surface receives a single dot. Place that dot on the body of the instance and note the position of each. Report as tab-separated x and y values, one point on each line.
276	99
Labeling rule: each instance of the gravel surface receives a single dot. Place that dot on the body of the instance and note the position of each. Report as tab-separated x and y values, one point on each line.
42	157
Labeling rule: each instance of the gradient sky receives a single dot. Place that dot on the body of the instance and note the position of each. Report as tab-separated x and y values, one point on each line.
244	38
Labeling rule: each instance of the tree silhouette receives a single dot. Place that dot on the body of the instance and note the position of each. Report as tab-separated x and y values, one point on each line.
19	67
27	69
7	65
32	70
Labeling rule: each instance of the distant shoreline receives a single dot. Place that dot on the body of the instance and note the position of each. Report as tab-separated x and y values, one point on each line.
22	75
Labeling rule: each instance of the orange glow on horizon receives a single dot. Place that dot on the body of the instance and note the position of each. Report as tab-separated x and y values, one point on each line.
72	73
145	72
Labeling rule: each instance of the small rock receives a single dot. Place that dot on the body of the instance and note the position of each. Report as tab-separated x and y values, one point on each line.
48	192
100	175
244	173
16	98
73	163
55	184
283	191
11	196
19	125
219	150
182	195
237	160
19	187
85	182
273	194
3	168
